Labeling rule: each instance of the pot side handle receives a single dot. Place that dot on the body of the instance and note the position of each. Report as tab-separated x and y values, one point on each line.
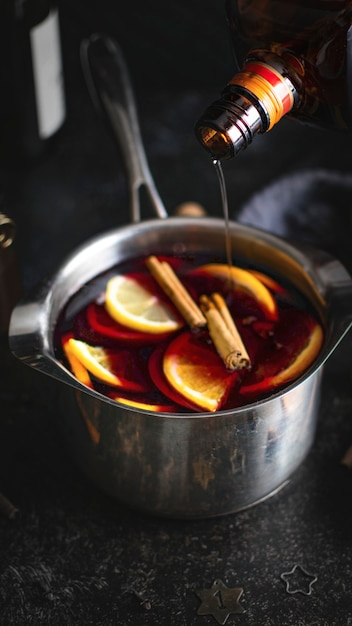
28	343
337	285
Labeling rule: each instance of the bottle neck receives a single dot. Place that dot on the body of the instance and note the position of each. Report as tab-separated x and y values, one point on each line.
254	101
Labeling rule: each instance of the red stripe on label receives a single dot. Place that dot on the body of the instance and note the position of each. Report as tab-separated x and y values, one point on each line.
275	80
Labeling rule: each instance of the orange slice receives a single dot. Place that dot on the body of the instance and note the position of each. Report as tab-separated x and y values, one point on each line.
118	369
269	282
298	342
155	368
195	370
146	406
303	359
135	302
242	279
77	367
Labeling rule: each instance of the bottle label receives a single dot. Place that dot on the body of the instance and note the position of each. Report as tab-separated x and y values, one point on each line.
47	74
270	88
276	82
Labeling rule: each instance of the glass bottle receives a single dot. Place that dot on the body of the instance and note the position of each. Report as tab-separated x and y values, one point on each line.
294	58
32	104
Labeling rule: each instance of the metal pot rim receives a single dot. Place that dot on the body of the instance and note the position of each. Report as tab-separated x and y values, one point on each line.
325	280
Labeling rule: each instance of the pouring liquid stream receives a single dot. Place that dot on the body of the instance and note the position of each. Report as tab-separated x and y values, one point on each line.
225	211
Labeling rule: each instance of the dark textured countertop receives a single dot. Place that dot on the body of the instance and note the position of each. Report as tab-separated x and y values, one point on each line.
70	555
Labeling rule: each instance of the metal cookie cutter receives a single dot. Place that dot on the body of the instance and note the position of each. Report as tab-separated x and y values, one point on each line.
220	601
296	578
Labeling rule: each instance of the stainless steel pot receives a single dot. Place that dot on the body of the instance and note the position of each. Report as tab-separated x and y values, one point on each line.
189	465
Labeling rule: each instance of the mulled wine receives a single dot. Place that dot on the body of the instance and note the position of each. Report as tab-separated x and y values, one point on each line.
168	366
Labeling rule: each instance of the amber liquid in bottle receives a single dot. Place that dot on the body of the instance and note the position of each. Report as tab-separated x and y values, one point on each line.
293	58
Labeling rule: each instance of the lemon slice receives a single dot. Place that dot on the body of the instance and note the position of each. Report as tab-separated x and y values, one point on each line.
130	303
245	280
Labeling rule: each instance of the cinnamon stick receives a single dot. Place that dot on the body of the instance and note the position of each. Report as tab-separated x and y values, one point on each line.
178	294
224	333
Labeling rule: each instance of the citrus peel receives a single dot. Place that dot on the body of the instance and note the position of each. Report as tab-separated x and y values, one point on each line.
135	303
242	279
146	406
108	367
294	368
195	370
76	365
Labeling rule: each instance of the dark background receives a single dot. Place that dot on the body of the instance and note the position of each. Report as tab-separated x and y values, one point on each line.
71	555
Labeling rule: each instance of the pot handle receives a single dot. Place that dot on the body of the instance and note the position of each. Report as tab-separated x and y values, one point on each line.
28	342
338	292
333	284
110	89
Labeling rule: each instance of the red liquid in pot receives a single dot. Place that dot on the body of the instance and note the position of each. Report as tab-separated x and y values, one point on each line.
137	357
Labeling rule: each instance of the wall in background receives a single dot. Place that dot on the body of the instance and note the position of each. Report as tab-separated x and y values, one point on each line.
179	43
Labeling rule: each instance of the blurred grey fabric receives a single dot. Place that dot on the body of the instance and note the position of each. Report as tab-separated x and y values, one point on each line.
314	206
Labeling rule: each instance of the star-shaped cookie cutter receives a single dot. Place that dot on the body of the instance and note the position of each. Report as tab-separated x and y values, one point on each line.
288	577
220	601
